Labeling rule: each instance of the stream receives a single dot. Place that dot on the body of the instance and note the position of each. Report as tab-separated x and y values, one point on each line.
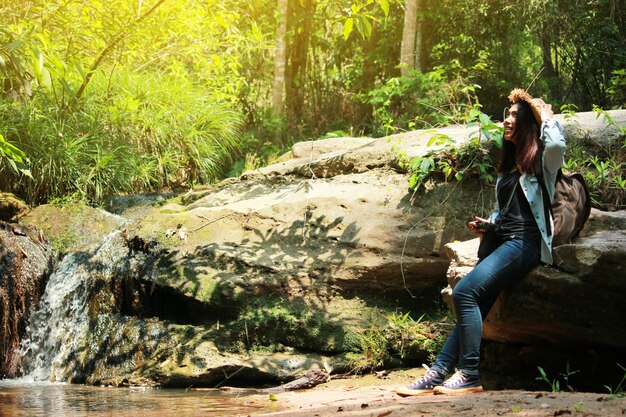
29	398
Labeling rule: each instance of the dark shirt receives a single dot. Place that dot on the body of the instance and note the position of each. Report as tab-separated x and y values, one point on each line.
516	219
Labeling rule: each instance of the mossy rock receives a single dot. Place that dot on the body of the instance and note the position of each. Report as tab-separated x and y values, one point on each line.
11	207
73	226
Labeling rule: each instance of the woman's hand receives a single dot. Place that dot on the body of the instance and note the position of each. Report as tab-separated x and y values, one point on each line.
546	109
472	225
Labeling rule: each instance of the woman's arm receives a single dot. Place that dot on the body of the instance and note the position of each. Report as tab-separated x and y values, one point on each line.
554	142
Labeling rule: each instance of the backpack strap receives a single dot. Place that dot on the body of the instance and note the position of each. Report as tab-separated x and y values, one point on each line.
547	203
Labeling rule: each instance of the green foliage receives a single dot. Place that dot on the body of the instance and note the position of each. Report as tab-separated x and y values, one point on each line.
398	335
13	157
419	100
617	89
136	134
373	346
361	18
588	42
146	121
619	389
452	160
555	384
254	149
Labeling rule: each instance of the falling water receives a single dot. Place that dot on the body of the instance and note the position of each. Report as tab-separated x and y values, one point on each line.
61	320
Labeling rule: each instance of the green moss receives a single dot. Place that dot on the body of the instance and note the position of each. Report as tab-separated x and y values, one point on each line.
269	320
63	242
169	211
179	200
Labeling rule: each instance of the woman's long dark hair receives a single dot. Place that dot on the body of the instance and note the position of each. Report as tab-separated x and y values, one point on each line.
521	151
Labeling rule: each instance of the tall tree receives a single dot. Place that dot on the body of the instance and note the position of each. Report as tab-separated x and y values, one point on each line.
411	38
280	58
301	30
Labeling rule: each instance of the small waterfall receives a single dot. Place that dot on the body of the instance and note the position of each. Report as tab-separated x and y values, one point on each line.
58	328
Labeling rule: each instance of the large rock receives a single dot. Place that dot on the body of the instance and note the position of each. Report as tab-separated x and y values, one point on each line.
331	157
100	323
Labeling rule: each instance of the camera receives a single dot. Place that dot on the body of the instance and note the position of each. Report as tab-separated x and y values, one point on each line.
488	227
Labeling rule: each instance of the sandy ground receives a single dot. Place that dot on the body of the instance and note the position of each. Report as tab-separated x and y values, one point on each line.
374	397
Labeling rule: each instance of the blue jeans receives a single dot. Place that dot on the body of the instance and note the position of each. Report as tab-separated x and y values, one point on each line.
473	297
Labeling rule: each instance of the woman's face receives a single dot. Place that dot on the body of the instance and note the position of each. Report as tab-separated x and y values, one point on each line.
509	123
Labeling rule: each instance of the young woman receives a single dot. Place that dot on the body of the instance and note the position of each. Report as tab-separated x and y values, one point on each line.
523	239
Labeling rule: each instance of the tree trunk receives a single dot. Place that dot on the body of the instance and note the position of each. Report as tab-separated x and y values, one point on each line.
369	66
548	66
419	30
301	12
409	34
279	59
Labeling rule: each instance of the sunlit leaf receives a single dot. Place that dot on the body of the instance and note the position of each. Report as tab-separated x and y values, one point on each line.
347	28
80	69
384	4
367	27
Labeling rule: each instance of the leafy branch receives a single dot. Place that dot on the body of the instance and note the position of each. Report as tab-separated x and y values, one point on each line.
454	160
14	156
105	52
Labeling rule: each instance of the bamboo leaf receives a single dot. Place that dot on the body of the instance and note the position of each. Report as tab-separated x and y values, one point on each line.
347	28
367	27
384	4
80	69
46	79
16	44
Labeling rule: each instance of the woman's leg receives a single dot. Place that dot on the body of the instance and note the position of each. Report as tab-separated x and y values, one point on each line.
520	257
475	294
449	355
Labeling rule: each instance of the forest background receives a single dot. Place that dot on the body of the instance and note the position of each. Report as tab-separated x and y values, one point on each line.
105	97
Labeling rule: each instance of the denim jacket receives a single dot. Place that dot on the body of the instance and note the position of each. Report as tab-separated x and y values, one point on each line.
553	159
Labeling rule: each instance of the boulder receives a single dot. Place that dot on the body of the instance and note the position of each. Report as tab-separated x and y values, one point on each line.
100	324
338	156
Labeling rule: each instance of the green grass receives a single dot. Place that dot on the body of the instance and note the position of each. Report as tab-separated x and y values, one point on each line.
133	133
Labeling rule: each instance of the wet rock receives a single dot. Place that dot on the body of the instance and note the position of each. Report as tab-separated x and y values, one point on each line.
25	264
